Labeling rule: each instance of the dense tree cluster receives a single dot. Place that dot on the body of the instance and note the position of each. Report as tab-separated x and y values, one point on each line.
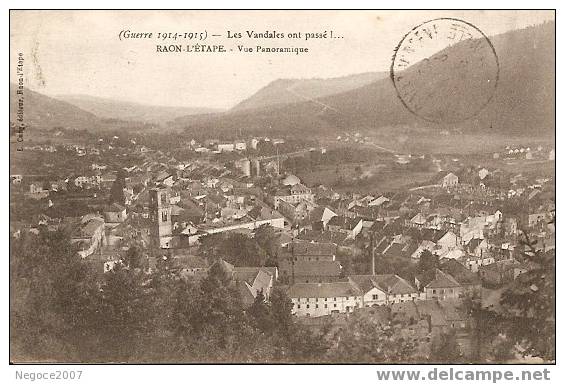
523	323
117	191
65	309
243	251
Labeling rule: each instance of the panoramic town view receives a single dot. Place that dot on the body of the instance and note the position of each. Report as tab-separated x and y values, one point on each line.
314	220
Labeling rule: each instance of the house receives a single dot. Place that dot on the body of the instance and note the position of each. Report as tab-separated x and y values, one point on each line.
372	294
473	263
226	147
383	289
474	226
240	145
449	241
250	281
483	172
108	178
477	246
455	254
293	194
115	213
165	180
296	212
425	245
469	280
351	227
418	221
378	201
437	284
319	217
321	299
446	179
37	190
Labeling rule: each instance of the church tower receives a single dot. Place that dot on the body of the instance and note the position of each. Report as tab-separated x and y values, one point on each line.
161	224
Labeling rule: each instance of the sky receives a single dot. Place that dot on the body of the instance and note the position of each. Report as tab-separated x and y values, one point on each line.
79	52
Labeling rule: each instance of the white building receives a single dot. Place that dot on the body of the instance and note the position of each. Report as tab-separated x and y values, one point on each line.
320	299
226	147
383	289
240	145
449	180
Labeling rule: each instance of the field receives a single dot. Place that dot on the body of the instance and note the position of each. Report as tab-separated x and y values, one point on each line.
363	178
453	151
433	143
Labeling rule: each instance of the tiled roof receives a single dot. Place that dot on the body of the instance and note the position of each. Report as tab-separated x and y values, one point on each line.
312	268
392	284
313	248
326	236
458	271
442	280
312	290
114	207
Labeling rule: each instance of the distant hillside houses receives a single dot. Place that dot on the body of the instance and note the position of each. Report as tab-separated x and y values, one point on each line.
447	179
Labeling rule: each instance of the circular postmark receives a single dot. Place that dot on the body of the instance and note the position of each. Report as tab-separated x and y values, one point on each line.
445	70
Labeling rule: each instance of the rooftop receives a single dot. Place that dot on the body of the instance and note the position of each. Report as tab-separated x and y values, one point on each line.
339	289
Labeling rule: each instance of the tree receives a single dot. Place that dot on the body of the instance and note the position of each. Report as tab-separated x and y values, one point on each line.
528	305
266	238
281	307
211	324
124	315
53	297
427	262
260	312
445	349
133	257
307	345
117	191
235	248
365	341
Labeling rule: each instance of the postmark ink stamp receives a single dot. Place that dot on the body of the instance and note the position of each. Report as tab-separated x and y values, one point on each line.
445	70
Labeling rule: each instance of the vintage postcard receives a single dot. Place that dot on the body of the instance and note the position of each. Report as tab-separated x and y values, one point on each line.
280	187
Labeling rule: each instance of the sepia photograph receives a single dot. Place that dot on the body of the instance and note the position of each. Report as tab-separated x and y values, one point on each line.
282	187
